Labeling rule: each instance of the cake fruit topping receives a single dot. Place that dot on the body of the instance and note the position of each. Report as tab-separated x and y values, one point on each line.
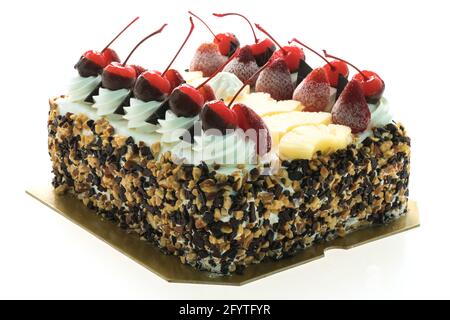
372	84
276	80
351	108
261	50
250	120
332	68
226	42
187	101
121	76
291	54
153	85
244	65
314	91
305	141
92	62
216	115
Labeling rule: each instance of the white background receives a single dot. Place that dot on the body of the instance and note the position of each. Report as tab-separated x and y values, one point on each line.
42	255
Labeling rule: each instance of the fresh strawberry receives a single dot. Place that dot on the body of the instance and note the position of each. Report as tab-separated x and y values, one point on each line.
207	59
216	115
254	126
244	65
276	80
351	108
314	91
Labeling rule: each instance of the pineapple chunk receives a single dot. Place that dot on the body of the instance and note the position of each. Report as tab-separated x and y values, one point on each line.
304	141
264	105
282	123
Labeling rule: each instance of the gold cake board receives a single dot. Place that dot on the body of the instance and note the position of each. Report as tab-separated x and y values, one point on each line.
171	269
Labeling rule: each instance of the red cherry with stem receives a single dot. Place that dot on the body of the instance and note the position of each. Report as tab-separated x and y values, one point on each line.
139	69
187	101
372	84
291	54
117	76
193	93
221	15
111	55
216	116
92	62
261	50
156	79
292	58
181	47
96	57
227	42
331	68
174	77
153	85
208	93
119	34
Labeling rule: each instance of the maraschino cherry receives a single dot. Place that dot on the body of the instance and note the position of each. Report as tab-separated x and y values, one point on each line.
372	84
291	54
154	85
217	115
227	42
92	62
331	68
186	100
120	75
261	50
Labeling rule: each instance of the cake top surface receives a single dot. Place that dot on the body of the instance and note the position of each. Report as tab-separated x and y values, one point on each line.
236	103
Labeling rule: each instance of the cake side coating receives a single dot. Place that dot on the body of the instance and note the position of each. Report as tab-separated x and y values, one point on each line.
222	223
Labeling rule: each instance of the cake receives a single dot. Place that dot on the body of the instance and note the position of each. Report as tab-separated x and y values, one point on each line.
251	154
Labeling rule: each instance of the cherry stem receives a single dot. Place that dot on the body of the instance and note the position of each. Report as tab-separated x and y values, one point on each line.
218	70
272	38
142	41
179	50
247	82
333	68
120	33
221	15
366	78
207	27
